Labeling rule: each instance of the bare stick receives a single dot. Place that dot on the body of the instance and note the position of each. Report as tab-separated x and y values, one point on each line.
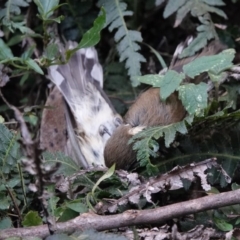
131	217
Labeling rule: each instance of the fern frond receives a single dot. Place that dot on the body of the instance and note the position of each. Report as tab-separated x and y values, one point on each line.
147	146
173	6
200	9
126	39
196	8
206	32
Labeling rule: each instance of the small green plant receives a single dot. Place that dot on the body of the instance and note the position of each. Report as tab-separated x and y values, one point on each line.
194	98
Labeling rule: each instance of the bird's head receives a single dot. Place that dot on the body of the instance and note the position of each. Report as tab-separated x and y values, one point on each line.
117	149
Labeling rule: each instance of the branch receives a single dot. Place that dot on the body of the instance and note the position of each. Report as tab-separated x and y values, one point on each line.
130	217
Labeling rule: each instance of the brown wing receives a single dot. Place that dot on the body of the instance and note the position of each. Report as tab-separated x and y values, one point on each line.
53	131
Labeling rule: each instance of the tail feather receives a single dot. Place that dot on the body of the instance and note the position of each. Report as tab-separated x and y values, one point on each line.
80	81
90	61
72	78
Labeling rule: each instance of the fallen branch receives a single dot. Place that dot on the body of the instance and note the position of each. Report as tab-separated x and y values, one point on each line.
130	217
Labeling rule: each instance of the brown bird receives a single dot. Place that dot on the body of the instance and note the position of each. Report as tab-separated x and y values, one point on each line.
148	110
96	134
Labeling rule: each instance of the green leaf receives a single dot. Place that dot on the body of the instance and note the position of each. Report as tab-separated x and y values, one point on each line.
215	10
92	36
170	83
13	182
189	119
1	119
215	2
182	12
152	169
235	186
151	79
217	77
194	97
172	6
159	57
237	221
28	52
57	19
4	202
205	33
23	29
159	2
5	223
46	8
68	167
225	63
106	175
9	149
5	51
53	200
213	191
215	64
15	39
33	65
32	219
67	215
197	8
10	60
31	118
77	206
24	78
222	224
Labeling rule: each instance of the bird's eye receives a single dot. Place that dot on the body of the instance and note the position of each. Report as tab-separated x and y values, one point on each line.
118	121
103	130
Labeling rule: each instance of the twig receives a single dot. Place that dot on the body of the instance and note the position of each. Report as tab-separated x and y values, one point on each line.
14	202
131	217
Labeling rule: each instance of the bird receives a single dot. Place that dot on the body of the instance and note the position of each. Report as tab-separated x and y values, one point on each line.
149	111
90	117
96	134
